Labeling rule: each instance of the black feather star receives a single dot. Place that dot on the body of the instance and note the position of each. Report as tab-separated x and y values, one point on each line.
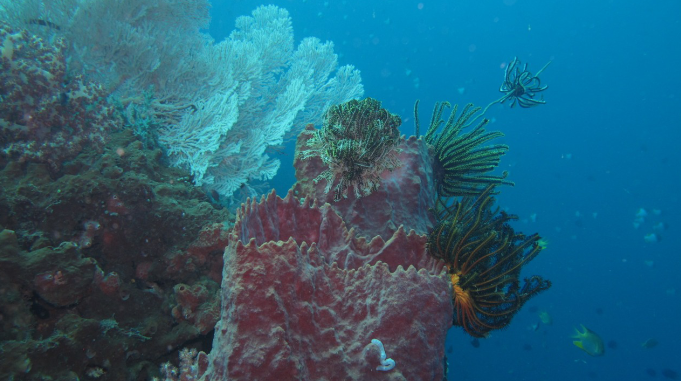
521	86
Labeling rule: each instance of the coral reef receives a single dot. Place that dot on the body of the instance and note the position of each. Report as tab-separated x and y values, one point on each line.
193	364
90	257
197	304
306	285
218	108
45	115
110	261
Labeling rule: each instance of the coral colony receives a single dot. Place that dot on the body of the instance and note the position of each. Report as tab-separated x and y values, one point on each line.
113	263
45	116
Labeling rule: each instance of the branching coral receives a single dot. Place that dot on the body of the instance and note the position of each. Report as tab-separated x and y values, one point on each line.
461	159
357	142
484	256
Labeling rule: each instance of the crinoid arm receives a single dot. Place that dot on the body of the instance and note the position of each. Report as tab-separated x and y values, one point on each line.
484	256
462	160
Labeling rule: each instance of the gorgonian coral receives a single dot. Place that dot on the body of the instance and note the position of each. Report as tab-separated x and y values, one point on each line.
357	142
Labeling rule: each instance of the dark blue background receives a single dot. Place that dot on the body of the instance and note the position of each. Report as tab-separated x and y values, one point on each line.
612	106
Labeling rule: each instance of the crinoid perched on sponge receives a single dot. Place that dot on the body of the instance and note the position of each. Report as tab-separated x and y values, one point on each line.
357	142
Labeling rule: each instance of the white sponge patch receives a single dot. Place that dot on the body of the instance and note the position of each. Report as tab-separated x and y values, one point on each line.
386	364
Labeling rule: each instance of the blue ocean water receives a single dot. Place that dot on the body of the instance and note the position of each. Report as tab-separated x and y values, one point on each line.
602	148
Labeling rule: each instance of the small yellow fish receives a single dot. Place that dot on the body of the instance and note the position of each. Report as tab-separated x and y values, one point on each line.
589	342
543	243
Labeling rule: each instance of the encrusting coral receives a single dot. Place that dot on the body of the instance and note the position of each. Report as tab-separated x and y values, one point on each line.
46	114
89	261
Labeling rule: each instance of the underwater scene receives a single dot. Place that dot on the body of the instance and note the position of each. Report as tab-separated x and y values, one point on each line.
339	190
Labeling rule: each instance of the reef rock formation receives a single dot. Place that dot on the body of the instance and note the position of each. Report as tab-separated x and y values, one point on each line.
106	265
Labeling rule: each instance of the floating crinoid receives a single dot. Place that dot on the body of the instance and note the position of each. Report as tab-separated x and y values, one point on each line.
484	256
520	86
